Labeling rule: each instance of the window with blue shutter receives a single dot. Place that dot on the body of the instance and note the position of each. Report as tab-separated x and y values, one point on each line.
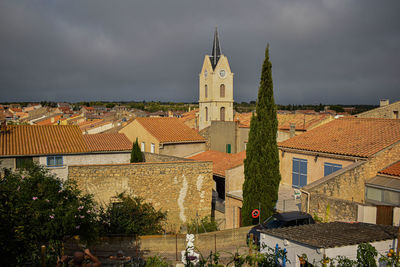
299	172
330	168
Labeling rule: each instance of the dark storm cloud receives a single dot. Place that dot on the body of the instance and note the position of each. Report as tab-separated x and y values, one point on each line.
322	51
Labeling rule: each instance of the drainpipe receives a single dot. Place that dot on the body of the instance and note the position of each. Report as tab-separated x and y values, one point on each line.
308	199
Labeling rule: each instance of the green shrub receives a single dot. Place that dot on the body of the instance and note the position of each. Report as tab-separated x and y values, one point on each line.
36	209
157	261
131	216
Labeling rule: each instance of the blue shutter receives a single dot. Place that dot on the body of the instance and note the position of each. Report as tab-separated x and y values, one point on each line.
299	172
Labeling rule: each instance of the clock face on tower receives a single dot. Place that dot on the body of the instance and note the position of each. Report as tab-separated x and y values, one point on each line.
222	73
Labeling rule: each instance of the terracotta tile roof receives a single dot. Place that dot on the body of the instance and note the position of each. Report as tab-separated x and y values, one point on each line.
50	121
221	161
303	121
190	115
335	234
360	137
170	130
15	110
393	170
107	142
41	140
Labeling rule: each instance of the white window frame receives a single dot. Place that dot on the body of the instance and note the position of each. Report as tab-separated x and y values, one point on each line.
153	148
142	146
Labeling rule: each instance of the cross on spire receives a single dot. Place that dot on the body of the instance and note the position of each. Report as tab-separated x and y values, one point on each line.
216	50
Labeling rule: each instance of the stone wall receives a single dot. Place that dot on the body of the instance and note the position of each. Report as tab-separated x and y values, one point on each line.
206	134
181	188
331	209
348	184
391	111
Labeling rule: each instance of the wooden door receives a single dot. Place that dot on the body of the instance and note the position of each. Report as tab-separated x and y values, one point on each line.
384	215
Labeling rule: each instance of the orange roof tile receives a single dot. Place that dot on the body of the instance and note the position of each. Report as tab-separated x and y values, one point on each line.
360	137
170	130
107	142
39	140
393	169
50	121
190	115
221	161
302	121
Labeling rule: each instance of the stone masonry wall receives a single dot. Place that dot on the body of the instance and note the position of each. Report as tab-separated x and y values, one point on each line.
331	209
206	134
387	112
348	184
181	188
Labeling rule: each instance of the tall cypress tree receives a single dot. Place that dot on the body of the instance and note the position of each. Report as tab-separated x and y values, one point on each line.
136	154
261	166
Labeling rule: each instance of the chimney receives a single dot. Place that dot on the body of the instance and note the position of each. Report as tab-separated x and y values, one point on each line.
292	129
384	102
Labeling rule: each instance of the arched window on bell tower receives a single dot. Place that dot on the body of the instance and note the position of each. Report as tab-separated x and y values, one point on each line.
206	111
222	114
222	90
205	91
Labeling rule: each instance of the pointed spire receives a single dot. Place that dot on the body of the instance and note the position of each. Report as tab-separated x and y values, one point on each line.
216	50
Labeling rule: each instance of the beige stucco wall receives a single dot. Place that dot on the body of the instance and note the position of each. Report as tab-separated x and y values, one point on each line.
221	133
315	166
232	212
10	163
183	189
386	112
87	159
242	138
183	149
234	178
100	129
135	129
213	101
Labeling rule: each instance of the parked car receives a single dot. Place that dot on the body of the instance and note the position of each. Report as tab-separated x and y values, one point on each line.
278	220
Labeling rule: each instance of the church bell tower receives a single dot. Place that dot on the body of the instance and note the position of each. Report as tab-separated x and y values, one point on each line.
215	87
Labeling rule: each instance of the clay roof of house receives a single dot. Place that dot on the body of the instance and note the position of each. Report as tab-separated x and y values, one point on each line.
49	121
393	170
360	137
14	110
38	140
302	121
190	115
221	161
107	142
22	115
170	130
334	234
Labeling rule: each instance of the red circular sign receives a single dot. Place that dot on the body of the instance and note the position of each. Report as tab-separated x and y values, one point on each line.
255	213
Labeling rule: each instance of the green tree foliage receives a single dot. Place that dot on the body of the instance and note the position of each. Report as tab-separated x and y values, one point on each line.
136	154
38	209
131	216
261	166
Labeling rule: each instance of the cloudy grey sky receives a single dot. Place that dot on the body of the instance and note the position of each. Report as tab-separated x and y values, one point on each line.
322	51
